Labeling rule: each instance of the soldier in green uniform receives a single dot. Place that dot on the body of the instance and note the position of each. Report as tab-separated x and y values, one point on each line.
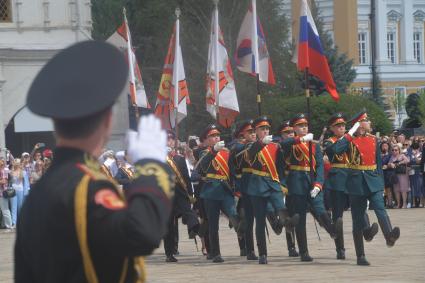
286	131
266	165
76	225
337	179
365	182
303	190
216	191
247	136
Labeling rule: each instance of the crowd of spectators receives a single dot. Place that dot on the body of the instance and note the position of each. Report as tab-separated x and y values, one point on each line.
17	174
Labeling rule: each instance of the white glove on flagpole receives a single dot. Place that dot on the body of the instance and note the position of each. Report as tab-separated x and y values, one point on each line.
150	141
354	128
308	137
314	192
267	139
219	146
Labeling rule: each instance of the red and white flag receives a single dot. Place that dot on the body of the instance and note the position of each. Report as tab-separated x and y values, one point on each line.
172	100
252	55
122	39
221	93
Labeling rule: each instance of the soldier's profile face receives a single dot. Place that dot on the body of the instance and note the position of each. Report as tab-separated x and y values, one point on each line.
262	131
213	139
171	142
250	135
289	134
338	129
301	129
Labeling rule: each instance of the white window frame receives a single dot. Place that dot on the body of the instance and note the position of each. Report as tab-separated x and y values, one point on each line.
395	45
366	47
418	46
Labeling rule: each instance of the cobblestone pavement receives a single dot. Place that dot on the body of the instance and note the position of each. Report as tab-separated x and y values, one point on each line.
405	262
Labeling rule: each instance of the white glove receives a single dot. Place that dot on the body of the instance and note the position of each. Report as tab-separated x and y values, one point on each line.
308	137
354	128
314	192
267	139
150	141
219	146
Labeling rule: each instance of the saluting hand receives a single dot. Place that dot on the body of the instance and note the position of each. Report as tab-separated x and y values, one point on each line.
354	128
314	192
150	141
308	137
219	146
267	139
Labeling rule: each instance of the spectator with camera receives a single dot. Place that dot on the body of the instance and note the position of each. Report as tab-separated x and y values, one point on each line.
6	220
399	162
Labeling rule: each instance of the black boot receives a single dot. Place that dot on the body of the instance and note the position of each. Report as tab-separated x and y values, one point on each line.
302	244
334	229
339	244
274	223
289	222
263	259
235	222
358	244
251	256
290	241
170	258
370	231
391	235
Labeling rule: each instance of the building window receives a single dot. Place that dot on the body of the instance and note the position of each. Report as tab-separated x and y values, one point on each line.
417	46
362	38
391	47
5	11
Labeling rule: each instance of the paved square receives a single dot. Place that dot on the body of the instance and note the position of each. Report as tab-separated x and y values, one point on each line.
405	262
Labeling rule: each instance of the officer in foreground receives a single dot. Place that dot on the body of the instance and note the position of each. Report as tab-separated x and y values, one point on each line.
75	225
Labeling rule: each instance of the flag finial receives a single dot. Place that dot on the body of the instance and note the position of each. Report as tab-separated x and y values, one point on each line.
216	2
178	12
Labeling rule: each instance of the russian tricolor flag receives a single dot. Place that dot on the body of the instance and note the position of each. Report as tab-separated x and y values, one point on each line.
310	52
252	55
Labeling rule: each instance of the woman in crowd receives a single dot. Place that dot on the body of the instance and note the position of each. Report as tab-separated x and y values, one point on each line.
415	175
399	162
388	173
37	172
6	222
17	183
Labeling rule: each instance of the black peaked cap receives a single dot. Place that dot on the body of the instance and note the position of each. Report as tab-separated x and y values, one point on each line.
79	81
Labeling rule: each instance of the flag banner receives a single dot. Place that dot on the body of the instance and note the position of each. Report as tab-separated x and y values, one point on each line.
227	100
251	30
122	40
164	108
310	52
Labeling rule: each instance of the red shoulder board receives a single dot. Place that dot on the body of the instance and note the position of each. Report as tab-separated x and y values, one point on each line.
367	149
109	199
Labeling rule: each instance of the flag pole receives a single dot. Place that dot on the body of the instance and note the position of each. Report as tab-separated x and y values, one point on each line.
310	144
255	49
133	90
216	71
176	73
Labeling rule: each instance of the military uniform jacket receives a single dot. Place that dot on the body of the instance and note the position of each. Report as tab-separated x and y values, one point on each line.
183	185
238	162
265	168
297	155
365	174
76	227
337	152
215	171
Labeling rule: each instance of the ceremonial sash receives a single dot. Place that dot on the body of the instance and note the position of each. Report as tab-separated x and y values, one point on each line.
221	159
341	159
176	171
303	149
268	156
366	147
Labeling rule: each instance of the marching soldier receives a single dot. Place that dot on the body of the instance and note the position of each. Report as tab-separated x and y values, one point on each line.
75	224
365	182
264	186
125	171
338	179
183	197
286	131
216	191
296	150
247	136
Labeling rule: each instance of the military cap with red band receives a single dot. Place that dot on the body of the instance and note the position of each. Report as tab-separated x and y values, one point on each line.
285	127
361	116
243	127
261	122
211	129
300	118
337	118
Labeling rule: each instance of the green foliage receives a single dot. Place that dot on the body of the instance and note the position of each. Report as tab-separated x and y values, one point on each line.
323	107
415	108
